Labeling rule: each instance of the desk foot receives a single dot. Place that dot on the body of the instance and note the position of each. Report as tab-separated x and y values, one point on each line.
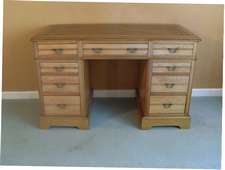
147	122
71	121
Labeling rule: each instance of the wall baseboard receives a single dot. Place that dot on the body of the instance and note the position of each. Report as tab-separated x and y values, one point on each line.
207	92
20	95
106	93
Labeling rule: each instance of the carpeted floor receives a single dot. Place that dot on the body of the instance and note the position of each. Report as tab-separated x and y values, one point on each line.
114	139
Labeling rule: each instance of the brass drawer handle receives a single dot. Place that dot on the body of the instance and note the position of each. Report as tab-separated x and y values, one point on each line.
132	50
172	50
97	50
60	85
59	68
169	85
167	105
58	50
171	68
61	106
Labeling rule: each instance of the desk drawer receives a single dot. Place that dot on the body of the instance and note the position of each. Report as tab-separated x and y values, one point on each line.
58	68
61	88
168	80
62	109
168	49
171	67
115	49
53	49
167	99
62	105
166	108
62	100
169	84
70	79
169	88
167	104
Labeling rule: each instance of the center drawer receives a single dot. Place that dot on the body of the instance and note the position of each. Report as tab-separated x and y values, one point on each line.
62	105
171	83
95	48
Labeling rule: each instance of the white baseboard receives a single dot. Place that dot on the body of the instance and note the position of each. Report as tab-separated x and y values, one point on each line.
207	92
131	93
107	93
20	95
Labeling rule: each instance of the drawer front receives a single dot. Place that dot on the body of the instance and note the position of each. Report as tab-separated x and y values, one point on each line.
58	68
115	49
50	46
169	84
166	108
171	67
62	109
167	104
169	87
170	80
166	52
62	105
115	52
56	49
70	100
115	45
71	79
172	49
57	52
167	99
61	88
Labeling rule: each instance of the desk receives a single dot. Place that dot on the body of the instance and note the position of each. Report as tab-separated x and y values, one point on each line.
165	53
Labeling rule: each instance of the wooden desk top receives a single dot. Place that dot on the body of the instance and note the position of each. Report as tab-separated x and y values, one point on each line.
115	32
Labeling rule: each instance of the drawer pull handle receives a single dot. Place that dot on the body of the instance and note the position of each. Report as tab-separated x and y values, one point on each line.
60	85
131	50
167	105
97	50
169	85
59	68
61	106
58	50
172	50
171	68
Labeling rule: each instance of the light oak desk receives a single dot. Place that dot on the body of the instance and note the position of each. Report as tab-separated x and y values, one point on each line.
165	55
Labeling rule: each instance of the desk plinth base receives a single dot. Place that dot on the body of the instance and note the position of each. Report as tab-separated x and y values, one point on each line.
72	121
148	122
